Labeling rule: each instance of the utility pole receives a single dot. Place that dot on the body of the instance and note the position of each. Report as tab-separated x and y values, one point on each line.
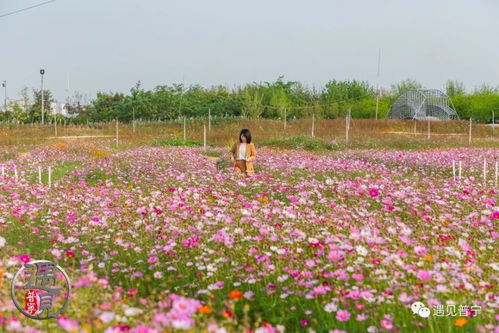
4	85
42	72
377	88
55	119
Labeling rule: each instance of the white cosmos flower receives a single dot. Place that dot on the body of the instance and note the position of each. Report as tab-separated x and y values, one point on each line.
130	312
331	307
361	250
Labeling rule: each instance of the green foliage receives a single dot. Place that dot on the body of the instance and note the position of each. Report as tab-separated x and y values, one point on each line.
212	153
299	142
35	111
271	99
256	100
405	85
251	98
477	106
454	88
58	172
178	142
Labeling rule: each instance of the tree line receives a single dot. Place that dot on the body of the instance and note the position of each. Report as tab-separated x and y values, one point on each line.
276	100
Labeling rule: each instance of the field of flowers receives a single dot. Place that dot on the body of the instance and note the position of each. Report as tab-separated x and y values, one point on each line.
158	239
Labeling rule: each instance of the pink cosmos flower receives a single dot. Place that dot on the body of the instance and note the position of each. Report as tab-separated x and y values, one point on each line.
421	250
191	241
335	256
141	329
133	292
342	315
423	275
373	192
152	259
357	277
387	324
361	317
68	324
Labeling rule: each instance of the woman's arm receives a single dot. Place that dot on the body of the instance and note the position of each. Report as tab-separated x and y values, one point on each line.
252	152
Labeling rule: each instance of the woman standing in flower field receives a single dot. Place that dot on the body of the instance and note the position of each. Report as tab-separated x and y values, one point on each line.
243	153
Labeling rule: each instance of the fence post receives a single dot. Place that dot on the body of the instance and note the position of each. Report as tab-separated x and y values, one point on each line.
460	171
39	174
204	136
117	137
497	170
285	116
493	123
347	126
429	130
454	170
133	119
313	124
209	119
50	176
469	135
184	130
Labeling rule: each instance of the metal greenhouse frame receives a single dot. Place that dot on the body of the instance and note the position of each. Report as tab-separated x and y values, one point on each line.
422	104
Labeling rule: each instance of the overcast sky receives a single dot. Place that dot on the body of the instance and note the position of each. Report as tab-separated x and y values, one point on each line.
109	45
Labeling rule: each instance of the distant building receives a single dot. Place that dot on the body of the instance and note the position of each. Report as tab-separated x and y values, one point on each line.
59	108
23	105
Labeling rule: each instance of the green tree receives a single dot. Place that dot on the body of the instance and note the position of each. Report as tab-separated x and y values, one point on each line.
405	85
35	110
251	98
454	88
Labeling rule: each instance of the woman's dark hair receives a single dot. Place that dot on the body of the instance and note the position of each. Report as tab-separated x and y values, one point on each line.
247	135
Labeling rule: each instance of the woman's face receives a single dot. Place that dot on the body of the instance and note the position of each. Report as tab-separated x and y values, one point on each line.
243	138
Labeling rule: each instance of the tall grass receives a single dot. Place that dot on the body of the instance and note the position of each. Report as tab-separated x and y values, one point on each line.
363	132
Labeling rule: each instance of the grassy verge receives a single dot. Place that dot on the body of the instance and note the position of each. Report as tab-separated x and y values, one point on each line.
300	142
58	172
177	143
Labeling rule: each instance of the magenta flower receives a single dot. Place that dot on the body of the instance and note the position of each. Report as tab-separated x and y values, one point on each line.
342	315
361	317
387	324
423	275
336	256
141	329
24	258
68	324
152	259
357	277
